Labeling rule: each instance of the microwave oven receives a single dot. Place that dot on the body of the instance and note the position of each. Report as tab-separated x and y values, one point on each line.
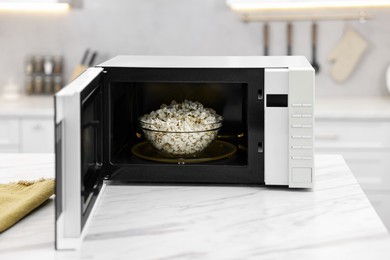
266	137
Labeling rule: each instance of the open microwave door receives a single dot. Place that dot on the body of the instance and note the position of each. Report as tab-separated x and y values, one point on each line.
79	155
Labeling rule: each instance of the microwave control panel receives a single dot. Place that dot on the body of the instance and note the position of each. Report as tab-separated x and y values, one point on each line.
288	127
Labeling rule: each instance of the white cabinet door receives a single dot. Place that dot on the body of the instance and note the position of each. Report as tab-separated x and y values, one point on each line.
9	135
380	200
372	169
365	146
352	134
37	135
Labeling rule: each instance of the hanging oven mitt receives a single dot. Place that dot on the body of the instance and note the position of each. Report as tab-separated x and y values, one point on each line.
346	55
19	199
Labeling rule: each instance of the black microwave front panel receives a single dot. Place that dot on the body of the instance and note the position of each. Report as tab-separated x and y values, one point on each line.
130	92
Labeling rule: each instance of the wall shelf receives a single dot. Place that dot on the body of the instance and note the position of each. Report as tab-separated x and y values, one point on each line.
263	17
39	6
293	10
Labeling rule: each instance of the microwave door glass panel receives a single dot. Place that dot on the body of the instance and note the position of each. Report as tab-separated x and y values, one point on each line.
91	140
59	165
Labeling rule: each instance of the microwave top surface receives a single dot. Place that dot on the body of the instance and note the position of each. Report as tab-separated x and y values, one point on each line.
128	61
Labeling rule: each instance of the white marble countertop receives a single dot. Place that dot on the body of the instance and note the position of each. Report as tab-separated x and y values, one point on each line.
27	106
363	108
333	221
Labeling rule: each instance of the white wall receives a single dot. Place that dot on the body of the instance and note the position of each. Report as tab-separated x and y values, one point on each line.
182	27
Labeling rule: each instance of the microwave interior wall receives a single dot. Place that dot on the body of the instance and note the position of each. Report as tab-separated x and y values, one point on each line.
132	100
232	93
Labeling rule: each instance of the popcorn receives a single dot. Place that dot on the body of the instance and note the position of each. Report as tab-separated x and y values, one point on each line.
181	128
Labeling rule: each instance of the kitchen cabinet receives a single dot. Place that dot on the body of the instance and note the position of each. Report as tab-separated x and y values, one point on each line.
27	125
26	135
365	146
37	136
358	129
9	135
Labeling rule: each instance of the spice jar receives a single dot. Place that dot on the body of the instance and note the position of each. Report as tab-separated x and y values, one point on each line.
48	65
48	85
57	60
57	83
29	69
38	64
29	85
38	85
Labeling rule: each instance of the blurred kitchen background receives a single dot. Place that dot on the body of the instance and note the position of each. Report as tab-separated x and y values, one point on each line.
352	111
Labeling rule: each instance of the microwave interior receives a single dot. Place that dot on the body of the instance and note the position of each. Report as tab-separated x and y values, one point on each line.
126	94
129	101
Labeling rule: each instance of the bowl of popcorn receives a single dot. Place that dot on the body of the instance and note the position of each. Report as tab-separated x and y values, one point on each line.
181	129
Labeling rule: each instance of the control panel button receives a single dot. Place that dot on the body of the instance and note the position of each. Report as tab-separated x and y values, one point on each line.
301	137
296	147
306	115
307	126
296	126
306	105
296	116
301	157
296	157
301	147
301	175
297	105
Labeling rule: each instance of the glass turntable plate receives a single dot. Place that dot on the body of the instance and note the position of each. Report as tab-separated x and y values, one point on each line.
216	151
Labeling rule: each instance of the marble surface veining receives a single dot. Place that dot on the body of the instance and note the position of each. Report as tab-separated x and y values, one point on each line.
333	221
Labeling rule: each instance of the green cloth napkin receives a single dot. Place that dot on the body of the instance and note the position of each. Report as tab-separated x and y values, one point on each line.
19	199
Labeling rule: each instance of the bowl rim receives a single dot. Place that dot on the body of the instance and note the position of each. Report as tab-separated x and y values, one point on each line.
173	132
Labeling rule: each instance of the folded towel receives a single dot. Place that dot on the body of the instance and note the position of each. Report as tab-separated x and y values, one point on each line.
19	199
